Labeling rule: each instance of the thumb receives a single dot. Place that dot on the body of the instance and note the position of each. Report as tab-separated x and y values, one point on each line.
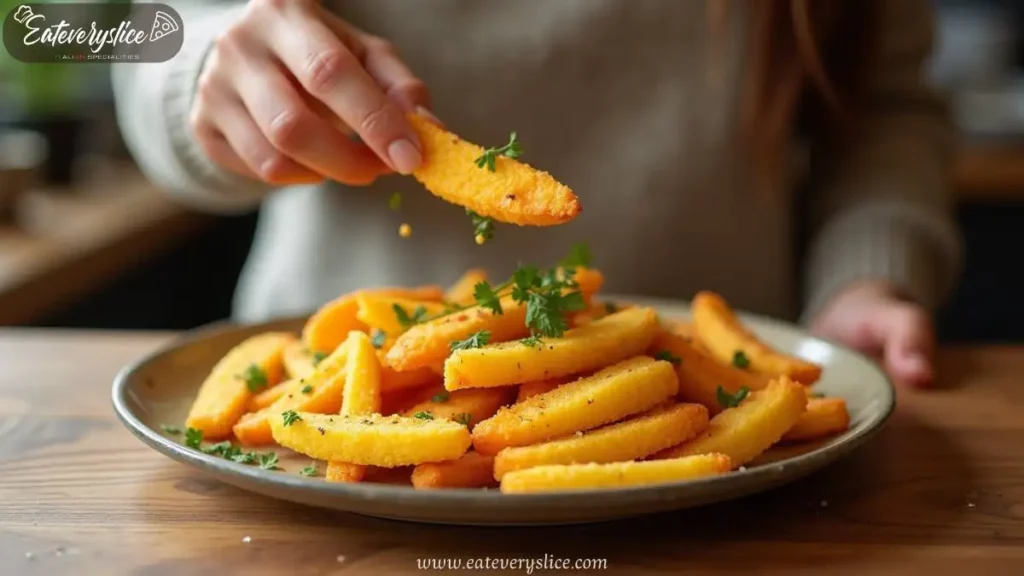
908	342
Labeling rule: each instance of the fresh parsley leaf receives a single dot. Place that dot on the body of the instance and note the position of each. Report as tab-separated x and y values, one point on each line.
524	280
423	415
668	356
579	257
309	470
218	448
487	297
476	340
268	461
172	430
815	395
378	339
255	378
395	201
307	389
318	357
531	341
464	418
726	400
740	360
440	397
511	150
194	438
245	457
545	312
407	320
483	227
290	417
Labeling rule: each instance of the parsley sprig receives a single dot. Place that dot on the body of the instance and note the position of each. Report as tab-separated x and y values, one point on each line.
483	227
255	378
409	320
318	357
475	340
290	417
511	150
667	356
726	400
740	360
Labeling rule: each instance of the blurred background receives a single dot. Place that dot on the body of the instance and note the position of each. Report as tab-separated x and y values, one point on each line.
85	241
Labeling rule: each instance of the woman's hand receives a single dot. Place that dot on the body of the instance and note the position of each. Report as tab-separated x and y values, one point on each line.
284	86
869	317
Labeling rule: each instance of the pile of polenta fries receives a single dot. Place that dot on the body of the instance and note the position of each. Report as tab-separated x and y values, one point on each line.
455	394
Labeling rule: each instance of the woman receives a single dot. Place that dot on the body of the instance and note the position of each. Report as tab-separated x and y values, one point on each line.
679	124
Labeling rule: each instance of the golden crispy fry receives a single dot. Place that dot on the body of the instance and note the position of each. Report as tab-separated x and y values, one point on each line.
627	440
531	389
700	375
744	432
392	380
298	361
461	292
556	478
267	397
360	396
718	328
468	407
471	471
378	311
428	344
514	193
603	342
824	417
223	398
372	440
629	387
320	392
399	401
330	325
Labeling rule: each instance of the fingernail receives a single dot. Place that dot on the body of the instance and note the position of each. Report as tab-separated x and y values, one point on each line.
405	156
429	115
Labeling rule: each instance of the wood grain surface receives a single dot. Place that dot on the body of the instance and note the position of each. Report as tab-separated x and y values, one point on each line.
940	491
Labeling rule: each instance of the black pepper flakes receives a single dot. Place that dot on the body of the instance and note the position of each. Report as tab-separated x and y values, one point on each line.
321	430
590	401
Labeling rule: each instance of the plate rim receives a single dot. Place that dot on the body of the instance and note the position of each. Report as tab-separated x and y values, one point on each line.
769	475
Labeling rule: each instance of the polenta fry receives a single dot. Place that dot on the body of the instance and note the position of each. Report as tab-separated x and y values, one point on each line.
824	417
461	292
627	440
329	326
605	341
614	475
514	193
472	470
267	397
744	432
468	407
700	375
360	396
531	389
378	311
375	440
721	332
298	360
325	386
627	388
249	367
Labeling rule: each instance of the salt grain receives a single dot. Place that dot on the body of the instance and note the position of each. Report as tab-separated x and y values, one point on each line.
246	539
29	556
341	558
970	504
742	468
824	503
58	552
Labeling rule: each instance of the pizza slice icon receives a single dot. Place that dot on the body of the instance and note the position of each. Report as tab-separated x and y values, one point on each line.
163	24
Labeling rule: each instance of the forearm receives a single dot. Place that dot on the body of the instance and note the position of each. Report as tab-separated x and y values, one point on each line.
153	107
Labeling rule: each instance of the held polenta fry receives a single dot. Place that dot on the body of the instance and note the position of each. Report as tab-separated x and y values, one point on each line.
627	388
627	440
744	432
248	368
721	332
824	417
372	440
615	475
700	375
603	342
513	193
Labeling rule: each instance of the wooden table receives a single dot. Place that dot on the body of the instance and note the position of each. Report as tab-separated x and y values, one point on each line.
939	491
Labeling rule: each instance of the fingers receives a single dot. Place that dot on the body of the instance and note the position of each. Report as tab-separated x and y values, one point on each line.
909	343
330	71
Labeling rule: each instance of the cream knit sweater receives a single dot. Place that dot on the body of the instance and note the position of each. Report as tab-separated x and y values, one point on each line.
611	97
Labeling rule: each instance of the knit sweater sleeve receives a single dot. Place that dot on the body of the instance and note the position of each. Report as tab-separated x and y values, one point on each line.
881	210
153	104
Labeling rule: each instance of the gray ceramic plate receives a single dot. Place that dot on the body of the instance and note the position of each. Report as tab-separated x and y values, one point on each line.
158	389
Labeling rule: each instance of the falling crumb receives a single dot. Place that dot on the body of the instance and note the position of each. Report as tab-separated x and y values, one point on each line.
58	552
824	503
970	504
405	230
579	433
742	468
479	239
29	556
340	558
246	539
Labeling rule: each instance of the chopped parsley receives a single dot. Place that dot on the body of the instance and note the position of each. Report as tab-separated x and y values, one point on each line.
268	461
172	430
407	320
218	448
483	227
726	400
193	438
464	418
531	341
487	297
440	397
511	150
307	389
290	417
423	415
395	201
318	357
740	360
476	340
255	378
667	356
309	470
378	339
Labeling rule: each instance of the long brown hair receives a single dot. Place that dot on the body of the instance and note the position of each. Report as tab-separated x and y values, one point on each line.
806	57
